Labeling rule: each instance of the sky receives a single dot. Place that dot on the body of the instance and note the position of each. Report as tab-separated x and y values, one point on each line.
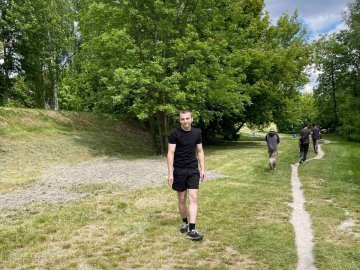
318	16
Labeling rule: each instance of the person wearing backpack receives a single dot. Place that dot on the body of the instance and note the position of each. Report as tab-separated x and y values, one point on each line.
304	142
272	140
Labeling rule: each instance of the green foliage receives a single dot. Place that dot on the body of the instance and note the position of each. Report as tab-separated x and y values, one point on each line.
338	93
8	41
39	38
47	29
149	59
298	112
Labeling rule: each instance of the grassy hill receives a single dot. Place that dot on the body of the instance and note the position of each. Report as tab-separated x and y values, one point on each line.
33	140
244	215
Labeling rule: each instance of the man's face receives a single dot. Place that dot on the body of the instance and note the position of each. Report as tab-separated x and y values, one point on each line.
185	120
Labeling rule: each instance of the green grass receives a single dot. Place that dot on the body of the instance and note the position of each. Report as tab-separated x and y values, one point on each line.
244	216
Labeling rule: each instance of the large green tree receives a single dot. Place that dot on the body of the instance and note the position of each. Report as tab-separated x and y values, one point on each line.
223	59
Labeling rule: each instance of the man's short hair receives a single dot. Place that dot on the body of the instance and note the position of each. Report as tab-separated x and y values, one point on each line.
185	111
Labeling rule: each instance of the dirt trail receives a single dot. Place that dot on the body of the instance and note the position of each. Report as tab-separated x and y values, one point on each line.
301	220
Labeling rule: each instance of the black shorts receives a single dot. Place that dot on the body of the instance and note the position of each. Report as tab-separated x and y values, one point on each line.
186	179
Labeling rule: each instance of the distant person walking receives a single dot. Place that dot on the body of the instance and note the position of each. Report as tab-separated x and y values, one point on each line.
304	141
272	140
315	136
183	170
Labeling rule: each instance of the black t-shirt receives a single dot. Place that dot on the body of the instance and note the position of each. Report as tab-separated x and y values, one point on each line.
315	133
186	141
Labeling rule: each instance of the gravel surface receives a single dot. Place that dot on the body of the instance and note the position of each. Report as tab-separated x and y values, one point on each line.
59	184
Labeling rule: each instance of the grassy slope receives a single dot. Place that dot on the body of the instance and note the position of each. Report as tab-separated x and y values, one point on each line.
245	217
33	140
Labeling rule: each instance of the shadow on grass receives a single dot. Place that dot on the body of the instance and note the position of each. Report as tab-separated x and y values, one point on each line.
115	144
105	134
98	134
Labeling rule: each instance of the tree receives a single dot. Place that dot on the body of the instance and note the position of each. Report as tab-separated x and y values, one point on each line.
338	91
330	62
8	37
46	43
350	109
38	38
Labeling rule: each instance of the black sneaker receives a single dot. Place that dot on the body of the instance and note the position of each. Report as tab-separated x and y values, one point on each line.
184	227
194	235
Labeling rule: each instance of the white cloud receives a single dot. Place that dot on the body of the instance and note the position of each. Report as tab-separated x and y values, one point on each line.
339	27
322	22
319	16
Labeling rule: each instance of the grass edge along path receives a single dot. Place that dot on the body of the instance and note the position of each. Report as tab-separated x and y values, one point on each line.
332	189
301	219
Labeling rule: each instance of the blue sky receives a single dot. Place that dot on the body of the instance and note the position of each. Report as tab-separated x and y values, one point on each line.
318	16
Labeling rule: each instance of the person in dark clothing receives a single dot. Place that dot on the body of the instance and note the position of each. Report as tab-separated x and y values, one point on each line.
315	136
304	141
272	140
183	170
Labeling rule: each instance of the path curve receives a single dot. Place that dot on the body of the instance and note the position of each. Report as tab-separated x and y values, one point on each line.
301	219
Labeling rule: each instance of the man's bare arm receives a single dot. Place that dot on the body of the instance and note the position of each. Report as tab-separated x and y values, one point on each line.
170	162
201	157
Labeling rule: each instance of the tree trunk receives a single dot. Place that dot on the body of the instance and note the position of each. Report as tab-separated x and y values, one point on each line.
7	70
55	88
166	131
56	100
333	86
154	135
161	132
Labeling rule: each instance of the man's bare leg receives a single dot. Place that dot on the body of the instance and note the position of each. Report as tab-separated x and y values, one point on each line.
182	204
193	204
193	234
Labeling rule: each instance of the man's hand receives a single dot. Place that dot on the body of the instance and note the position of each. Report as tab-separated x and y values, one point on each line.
202	175
170	180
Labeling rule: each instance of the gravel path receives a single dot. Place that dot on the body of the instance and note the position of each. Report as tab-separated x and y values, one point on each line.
301	220
57	184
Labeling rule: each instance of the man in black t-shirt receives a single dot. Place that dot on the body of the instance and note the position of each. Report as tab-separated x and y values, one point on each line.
183	170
